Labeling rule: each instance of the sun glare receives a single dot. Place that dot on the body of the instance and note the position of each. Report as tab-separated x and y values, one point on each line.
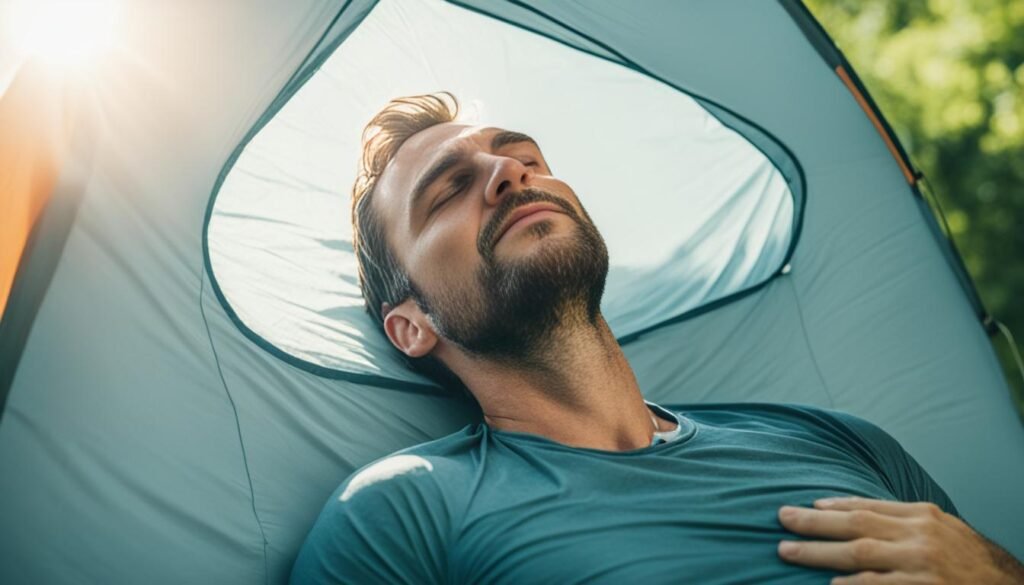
64	33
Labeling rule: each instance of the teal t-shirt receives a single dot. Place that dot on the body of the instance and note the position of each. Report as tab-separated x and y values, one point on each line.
489	506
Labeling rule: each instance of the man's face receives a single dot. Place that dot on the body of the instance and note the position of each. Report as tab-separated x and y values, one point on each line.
494	286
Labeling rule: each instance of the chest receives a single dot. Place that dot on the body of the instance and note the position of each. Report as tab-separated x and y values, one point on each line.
703	518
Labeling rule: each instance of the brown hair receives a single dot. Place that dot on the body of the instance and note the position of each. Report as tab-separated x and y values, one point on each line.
381	277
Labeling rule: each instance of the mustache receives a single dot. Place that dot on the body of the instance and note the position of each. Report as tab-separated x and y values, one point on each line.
510	203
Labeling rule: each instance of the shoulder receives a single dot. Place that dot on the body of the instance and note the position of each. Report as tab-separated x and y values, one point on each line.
414	480
401	471
841	429
399	507
855	437
427	467
783	416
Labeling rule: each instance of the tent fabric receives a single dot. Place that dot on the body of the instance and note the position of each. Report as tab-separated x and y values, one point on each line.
153	440
704	215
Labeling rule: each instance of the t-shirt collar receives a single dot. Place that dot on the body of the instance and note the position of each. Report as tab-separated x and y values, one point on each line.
665	436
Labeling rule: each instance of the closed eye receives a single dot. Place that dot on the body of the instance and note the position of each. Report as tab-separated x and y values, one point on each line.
459	183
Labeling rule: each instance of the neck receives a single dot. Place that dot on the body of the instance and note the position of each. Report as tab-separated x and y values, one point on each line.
579	391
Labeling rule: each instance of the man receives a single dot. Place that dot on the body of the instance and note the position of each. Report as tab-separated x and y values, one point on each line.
485	270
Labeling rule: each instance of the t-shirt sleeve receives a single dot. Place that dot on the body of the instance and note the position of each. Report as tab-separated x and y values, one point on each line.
387	523
903	474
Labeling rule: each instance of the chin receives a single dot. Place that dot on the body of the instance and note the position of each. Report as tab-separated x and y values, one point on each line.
550	254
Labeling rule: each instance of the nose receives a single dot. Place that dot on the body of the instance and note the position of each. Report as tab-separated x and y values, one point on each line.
507	175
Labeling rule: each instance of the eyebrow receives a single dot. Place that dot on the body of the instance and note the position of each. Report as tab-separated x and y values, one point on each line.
452	158
506	137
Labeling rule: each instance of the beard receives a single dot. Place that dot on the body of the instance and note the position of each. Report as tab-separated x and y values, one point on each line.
519	304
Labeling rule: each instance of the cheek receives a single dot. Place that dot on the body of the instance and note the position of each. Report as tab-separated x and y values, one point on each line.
448	250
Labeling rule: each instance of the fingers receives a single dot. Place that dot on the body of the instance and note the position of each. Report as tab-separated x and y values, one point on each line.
886	507
855	555
840	524
878	540
875	578
865	578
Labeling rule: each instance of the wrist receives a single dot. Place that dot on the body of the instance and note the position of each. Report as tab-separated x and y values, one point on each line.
1005	568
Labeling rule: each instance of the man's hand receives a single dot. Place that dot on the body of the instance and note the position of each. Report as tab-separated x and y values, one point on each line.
893	542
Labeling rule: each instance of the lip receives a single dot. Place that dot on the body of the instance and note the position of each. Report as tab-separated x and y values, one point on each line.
524	211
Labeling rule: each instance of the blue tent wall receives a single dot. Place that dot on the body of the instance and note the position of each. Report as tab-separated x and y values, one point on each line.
146	439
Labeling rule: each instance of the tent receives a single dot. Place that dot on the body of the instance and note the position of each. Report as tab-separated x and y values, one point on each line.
186	372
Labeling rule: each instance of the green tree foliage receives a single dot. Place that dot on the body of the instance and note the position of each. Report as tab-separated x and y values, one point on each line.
948	75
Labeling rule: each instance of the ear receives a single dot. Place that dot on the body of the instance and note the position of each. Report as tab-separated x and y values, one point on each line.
408	328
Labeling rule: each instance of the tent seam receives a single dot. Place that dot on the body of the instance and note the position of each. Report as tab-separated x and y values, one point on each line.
238	427
807	342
